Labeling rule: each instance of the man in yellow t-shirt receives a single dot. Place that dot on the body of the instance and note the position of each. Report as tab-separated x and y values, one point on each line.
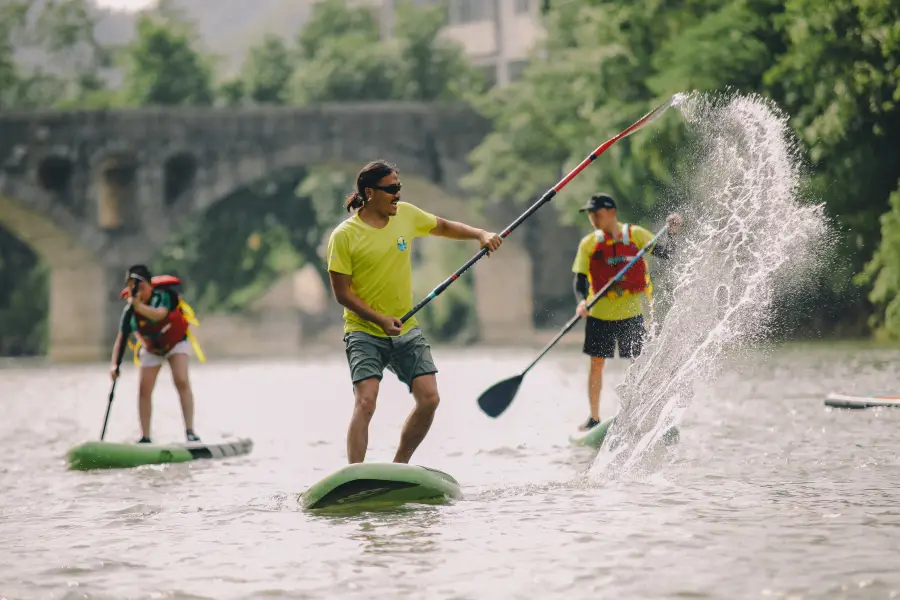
371	277
617	317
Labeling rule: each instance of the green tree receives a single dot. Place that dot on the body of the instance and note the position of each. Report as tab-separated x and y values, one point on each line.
60	33
728	44
346	68
883	272
67	30
24	299
232	92
332	19
268	71
430	68
603	64
341	57
162	67
586	81
12	16
840	79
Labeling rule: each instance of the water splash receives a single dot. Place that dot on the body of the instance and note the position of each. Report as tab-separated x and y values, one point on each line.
747	235
679	99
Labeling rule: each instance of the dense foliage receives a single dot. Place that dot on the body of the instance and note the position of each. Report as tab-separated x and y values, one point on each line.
833	66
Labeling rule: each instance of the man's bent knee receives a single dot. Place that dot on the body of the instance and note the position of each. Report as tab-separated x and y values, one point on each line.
429	400
366	395
365	404
425	391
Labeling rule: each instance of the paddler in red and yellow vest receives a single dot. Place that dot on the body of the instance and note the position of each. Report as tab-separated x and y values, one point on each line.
617	318
160	320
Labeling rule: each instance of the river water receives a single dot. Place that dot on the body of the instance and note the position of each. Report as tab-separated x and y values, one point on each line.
769	494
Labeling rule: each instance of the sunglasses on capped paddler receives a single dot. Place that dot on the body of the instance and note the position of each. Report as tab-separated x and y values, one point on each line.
390	189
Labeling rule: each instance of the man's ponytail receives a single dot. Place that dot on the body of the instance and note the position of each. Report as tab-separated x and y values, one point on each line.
354	202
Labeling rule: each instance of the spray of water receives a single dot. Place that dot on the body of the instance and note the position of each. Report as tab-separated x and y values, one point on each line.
747	234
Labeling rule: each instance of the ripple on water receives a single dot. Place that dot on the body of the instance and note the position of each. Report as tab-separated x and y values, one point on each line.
758	484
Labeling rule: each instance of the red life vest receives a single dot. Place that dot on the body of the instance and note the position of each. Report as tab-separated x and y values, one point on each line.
161	336
610	256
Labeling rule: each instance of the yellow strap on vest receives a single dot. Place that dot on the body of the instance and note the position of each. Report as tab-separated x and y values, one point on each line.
136	346
191	318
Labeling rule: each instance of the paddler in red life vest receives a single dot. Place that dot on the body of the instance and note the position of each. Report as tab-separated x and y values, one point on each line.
617	318
156	315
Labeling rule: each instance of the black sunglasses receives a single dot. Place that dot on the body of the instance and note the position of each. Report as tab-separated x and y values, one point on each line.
390	189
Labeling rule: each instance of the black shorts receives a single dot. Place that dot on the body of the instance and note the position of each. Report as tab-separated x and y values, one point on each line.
601	337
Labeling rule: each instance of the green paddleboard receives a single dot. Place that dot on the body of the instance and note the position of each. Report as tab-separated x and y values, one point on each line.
113	455
374	484
593	438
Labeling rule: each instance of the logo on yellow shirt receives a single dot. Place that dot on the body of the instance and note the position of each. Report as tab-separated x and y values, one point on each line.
401	243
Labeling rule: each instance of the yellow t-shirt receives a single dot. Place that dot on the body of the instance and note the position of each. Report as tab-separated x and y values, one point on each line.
611	307
378	262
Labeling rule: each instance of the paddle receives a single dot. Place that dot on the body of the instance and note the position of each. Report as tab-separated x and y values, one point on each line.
499	396
548	195
112	390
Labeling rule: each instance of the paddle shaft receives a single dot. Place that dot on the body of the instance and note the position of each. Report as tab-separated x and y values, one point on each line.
548	195
112	393
112	390
571	323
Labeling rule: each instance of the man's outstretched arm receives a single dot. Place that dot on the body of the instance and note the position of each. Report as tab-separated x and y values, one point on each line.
460	231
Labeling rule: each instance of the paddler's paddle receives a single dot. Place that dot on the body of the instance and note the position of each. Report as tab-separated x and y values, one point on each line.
499	396
548	195
112	390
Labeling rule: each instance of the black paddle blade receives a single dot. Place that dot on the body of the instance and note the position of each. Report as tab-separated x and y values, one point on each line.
498	397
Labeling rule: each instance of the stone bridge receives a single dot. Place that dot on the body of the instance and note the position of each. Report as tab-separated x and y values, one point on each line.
94	191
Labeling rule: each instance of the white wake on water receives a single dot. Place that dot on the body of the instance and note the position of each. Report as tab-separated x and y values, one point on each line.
747	234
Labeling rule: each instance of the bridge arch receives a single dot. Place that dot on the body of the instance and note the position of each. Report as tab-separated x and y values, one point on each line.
77	328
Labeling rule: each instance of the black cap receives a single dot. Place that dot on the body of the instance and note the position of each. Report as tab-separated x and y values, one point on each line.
139	272
597	202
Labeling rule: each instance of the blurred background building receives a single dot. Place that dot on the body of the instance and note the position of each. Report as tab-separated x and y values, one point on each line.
498	35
